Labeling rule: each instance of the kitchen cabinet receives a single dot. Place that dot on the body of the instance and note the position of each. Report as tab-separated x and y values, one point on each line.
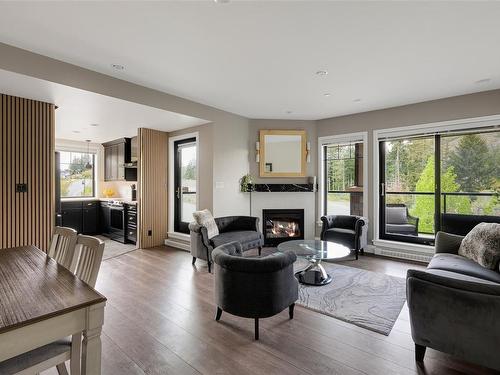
82	216
72	215
130	223
117	153
90	217
104	218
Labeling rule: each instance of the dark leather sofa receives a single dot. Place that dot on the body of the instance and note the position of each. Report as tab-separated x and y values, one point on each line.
454	306
244	229
253	287
348	230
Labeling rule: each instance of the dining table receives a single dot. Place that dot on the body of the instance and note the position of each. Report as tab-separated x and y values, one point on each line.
41	302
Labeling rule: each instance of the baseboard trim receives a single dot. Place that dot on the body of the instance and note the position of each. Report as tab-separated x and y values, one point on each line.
178	245
413	255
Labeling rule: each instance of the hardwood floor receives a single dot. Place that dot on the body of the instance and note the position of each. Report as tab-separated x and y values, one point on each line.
160	320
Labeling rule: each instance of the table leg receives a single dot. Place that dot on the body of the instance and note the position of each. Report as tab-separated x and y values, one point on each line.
91	346
314	274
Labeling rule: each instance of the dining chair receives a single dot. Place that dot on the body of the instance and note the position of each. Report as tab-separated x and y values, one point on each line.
85	264
62	246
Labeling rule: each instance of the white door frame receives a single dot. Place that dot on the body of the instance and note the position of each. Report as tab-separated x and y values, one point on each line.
171	186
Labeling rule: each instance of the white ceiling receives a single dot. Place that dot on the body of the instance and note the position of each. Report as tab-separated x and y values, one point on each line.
259	59
78	109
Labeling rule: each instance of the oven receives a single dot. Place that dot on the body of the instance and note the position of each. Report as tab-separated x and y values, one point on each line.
117	222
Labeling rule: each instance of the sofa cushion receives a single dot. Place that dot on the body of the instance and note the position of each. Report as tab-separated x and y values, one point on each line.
396	215
400	228
459	264
245	238
460	276
482	245
205	219
346	237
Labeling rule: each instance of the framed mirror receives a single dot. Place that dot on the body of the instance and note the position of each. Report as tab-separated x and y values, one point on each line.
282	153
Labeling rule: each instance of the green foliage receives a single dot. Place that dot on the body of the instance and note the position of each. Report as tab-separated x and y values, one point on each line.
474	164
341	166
189	171
424	204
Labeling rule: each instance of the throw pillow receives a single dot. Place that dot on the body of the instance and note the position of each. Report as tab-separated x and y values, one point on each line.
482	245
205	219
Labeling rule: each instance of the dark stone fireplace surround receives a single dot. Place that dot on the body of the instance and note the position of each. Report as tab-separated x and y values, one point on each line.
293	215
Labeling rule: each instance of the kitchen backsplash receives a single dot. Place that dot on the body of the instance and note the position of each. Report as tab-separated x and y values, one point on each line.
121	189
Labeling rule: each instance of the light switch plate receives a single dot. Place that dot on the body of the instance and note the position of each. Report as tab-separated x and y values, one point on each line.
219	184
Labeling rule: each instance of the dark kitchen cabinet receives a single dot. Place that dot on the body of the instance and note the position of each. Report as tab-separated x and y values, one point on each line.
117	153
104	218
131	223
82	216
90	217
72	215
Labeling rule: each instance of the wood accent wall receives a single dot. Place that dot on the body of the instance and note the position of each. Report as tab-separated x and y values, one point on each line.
26	157
153	183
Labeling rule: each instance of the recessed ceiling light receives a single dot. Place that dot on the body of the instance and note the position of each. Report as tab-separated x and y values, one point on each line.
327	94
357	100
484	80
94	124
221	1
76	131
321	73
118	66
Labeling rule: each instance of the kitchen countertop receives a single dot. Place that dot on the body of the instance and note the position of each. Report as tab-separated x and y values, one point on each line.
126	201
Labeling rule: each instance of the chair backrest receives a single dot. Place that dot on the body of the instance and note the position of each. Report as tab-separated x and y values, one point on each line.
396	214
88	258
62	247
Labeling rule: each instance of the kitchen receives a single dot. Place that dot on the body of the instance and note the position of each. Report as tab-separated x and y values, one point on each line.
96	190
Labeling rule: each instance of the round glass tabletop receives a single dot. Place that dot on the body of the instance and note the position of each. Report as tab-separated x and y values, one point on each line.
315	249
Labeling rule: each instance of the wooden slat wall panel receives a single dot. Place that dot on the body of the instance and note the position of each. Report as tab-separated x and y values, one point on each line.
27	156
153	214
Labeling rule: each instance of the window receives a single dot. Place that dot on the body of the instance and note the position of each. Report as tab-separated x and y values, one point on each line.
77	173
432	182
343	179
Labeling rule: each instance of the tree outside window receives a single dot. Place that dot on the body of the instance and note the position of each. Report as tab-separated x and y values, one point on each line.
77	174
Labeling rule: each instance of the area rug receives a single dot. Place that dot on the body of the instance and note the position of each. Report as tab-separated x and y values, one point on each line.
367	299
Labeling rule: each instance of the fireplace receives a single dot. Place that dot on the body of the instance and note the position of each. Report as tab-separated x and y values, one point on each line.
282	225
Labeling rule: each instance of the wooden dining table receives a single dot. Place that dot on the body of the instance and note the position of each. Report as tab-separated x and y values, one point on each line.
41	302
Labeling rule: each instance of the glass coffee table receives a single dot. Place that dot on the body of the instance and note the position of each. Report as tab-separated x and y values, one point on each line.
314	251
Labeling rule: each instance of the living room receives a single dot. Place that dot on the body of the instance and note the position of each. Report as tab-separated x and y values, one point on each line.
315	187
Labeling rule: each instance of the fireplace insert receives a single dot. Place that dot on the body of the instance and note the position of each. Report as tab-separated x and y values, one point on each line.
281	225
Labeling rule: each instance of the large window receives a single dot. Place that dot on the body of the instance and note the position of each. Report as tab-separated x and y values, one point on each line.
77	174
343	173
426	181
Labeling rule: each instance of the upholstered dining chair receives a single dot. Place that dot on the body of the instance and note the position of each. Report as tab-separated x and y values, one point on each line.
62	246
85	264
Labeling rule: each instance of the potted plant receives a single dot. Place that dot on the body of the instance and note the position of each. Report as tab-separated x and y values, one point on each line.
246	183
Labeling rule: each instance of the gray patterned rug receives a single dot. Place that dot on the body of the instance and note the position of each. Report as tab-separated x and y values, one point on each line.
367	299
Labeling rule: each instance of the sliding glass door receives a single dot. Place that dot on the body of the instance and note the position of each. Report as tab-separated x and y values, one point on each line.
426	181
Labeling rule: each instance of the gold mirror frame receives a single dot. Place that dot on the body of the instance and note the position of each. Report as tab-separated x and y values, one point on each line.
262	153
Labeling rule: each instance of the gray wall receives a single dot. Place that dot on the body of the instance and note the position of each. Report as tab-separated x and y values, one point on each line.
458	107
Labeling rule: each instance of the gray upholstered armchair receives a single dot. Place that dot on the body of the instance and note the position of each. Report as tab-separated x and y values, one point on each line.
349	230
454	305
253	287
399	221
244	229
